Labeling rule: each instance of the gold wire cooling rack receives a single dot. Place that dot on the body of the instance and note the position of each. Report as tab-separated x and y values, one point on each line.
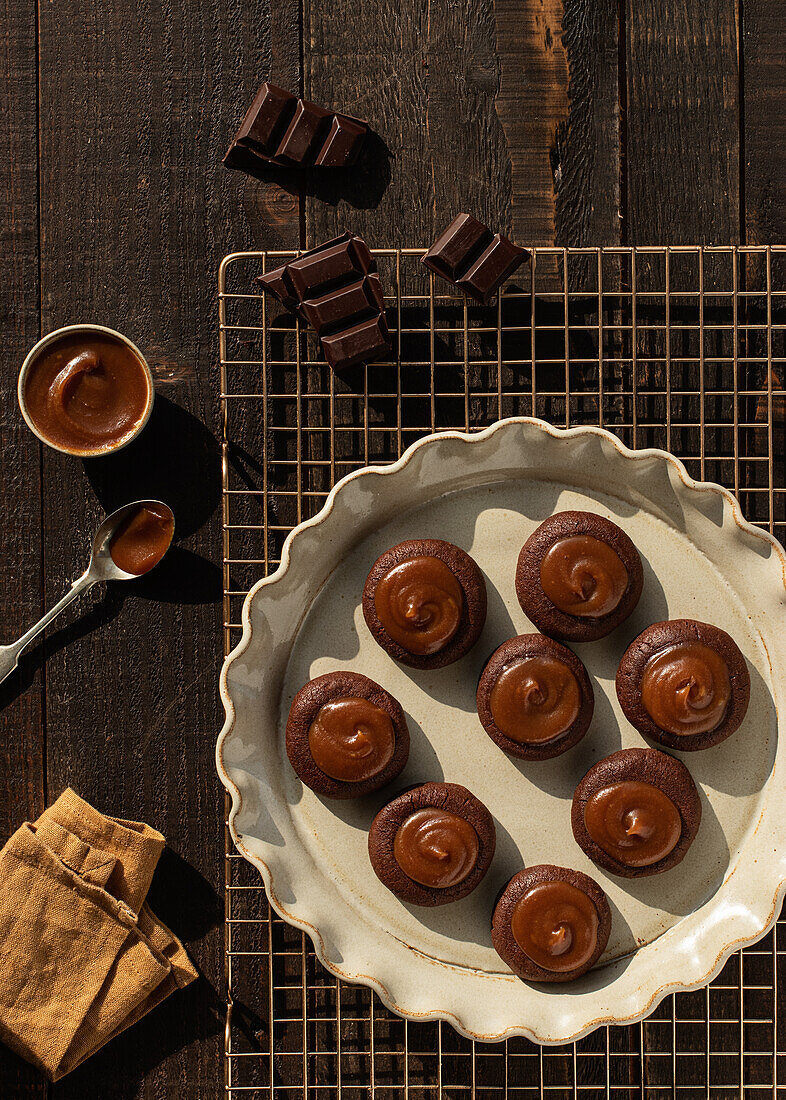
682	348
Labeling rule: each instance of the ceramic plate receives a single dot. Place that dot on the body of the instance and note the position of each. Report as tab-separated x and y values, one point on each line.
487	492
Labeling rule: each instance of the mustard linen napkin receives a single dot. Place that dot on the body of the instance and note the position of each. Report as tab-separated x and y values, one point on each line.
81	955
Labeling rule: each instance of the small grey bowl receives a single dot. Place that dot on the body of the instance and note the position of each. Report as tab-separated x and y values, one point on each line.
70	330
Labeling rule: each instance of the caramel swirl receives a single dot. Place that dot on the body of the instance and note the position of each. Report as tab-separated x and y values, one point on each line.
556	925
436	848
86	395
685	688
583	576
535	699
635	823
351	739
419	603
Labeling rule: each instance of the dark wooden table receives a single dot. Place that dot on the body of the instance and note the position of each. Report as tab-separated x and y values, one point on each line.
580	124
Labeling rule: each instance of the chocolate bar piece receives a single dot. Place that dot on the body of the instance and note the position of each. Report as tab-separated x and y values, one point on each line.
275	284
352	301
266	119
279	128
340	262
359	343
336	288
317	271
471	256
343	143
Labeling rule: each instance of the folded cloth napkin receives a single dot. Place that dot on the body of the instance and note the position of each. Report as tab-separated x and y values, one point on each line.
81	955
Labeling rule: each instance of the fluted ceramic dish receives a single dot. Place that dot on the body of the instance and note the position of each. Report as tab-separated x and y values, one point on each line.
487	492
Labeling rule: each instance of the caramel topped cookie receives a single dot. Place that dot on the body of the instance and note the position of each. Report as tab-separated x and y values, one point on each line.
346	736
578	576
433	844
534	697
636	812
551	924
685	684
425	602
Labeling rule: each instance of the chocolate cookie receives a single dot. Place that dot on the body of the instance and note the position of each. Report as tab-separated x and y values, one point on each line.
551	924
683	683
433	844
425	602
346	736
578	576
534	697
636	812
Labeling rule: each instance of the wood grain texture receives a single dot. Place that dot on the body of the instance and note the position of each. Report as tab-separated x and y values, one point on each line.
506	109
764	82
683	116
533	106
22	789
426	76
21	733
485	107
588	152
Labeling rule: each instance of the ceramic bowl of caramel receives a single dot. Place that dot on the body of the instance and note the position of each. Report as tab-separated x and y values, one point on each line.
86	390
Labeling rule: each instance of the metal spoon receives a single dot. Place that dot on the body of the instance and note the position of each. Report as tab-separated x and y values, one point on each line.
101	568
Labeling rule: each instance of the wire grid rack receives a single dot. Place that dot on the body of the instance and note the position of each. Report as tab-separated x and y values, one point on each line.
682	348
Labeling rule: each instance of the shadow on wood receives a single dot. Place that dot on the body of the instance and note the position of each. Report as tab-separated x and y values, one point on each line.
361	186
176	459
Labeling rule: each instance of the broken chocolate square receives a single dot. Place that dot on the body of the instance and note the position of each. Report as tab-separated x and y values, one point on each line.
471	256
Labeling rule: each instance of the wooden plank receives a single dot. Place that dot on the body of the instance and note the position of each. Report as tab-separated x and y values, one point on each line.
137	108
683	123
559	105
487	107
21	736
21	697
764	83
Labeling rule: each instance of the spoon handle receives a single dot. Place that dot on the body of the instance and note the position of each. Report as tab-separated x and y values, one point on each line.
9	654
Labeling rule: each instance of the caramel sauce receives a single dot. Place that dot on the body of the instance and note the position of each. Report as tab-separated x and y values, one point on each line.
535	699
583	576
686	688
86	394
419	603
634	822
142	539
436	848
351	739
556	925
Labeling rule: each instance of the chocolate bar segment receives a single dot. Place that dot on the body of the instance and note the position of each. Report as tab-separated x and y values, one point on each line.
343	143
278	286
350	303
494	265
282	129
303	132
469	255
278	283
360	343
453	251
266	119
316	272
336	288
